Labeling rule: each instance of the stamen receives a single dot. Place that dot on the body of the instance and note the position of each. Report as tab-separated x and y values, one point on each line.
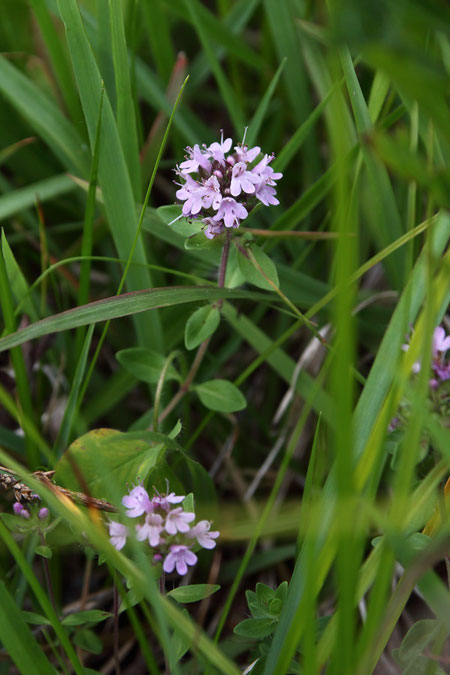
245	134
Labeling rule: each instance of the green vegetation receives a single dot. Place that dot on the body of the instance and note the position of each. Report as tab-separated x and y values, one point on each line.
287	376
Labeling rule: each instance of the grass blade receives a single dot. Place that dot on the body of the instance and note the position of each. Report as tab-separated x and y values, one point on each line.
122	305
18	639
113	174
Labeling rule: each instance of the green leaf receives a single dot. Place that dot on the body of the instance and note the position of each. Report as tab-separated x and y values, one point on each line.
193	592
188	503
89	641
44	551
125	111
17	200
220	395
88	616
264	593
410	654
182	226
200	241
107	460
233	276
35	619
18	639
201	325
256	629
121	305
178	645
145	364
17	281
252	274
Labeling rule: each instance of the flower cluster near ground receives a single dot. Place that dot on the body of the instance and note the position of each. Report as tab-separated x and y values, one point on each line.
439	364
222	188
166	527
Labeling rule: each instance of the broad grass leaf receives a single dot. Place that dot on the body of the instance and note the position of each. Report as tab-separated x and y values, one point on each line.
107	461
193	592
220	395
145	364
201	325
252	274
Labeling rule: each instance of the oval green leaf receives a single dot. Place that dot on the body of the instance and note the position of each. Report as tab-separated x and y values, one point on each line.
88	616
256	629
107	460
252	274
220	395
193	592
201	325
44	551
200	240
145	364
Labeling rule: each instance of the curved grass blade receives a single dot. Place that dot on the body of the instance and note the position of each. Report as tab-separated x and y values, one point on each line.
18	639
260	112
230	100
22	198
45	117
124	305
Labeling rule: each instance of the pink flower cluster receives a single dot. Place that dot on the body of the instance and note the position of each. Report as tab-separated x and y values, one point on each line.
165	527
218	187
439	364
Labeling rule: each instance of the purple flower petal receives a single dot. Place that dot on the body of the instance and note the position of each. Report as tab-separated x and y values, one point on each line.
179	557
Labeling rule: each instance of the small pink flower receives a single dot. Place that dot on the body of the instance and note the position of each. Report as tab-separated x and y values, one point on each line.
137	502
241	179
164	501
441	342
191	193
151	529
230	211
197	159
179	557
202	533
117	534
43	513
266	194
217	150
212	228
246	155
177	520
211	193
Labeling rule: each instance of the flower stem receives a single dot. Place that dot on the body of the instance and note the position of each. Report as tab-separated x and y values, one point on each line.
204	345
224	261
